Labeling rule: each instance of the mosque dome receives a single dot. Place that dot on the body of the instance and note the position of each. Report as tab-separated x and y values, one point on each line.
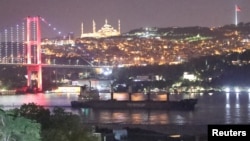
106	31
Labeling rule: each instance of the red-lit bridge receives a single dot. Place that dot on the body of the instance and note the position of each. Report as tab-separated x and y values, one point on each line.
21	45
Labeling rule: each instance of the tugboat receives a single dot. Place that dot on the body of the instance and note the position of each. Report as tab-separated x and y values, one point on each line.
90	99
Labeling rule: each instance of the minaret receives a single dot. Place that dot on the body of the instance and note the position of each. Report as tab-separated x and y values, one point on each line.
82	30
119	26
94	28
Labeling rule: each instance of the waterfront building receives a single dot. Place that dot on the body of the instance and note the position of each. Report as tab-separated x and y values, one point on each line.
106	31
67	40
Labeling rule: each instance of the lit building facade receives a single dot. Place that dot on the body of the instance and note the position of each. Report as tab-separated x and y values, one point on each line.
106	31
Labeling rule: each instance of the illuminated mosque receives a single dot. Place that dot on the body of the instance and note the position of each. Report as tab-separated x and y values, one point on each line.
106	31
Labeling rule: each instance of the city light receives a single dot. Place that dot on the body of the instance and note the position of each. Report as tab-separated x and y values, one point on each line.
236	89
227	89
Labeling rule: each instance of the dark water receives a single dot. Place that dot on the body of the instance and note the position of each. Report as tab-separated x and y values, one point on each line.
230	108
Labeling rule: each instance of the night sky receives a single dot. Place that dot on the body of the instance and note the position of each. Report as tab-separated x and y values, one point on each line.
67	15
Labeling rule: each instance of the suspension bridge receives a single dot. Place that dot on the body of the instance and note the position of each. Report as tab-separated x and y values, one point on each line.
21	45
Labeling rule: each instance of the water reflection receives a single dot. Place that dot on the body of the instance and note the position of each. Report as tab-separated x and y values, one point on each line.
136	116
117	116
220	108
227	108
248	107
237	109
227	101
47	100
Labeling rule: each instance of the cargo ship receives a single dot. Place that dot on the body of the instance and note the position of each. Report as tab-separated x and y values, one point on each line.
90	99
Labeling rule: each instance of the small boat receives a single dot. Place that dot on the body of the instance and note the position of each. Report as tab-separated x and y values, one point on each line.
90	99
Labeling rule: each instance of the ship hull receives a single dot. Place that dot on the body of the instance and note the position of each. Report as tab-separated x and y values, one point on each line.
186	104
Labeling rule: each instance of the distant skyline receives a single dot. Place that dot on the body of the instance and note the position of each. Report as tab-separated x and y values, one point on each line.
67	15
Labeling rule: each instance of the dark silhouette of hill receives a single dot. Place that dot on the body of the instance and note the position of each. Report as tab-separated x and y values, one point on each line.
183	32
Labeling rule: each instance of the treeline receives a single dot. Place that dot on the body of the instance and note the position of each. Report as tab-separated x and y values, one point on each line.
32	122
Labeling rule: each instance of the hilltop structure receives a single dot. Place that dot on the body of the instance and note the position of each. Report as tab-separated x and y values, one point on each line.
106	31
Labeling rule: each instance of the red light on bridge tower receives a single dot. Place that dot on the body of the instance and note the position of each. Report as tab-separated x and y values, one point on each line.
34	67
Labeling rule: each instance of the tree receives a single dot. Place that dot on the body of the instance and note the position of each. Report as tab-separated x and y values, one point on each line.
17	128
35	112
66	127
59	126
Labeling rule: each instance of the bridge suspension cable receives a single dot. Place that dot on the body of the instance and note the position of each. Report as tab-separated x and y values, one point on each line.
53	28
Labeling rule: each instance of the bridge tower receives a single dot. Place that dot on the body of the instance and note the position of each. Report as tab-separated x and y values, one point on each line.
34	67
